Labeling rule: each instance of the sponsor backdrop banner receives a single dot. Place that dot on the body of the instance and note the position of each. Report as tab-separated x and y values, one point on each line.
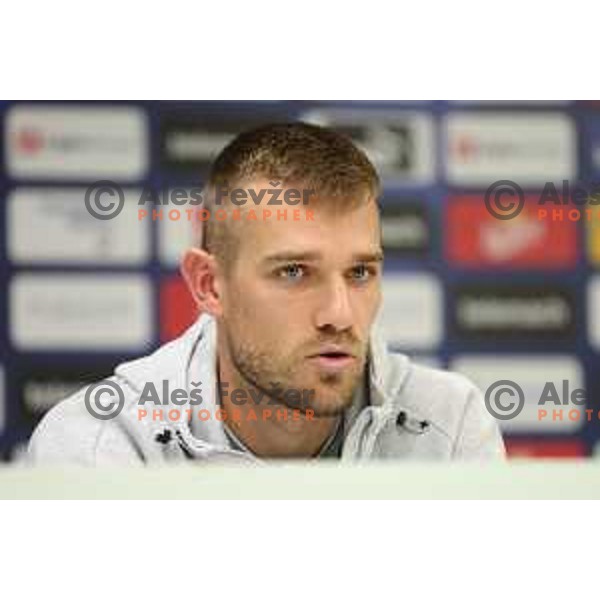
494	298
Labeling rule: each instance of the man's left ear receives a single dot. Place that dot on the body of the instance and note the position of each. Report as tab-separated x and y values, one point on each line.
199	269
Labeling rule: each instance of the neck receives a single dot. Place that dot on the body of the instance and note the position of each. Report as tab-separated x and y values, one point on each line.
270	429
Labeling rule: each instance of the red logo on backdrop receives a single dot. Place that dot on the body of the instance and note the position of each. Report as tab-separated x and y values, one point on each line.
544	449
465	147
177	308
474	238
29	141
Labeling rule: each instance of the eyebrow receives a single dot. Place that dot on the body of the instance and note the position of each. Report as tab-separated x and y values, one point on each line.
370	257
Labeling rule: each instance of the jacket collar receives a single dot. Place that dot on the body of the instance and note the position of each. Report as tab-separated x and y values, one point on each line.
191	358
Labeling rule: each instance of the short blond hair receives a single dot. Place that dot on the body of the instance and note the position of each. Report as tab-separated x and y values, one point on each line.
297	154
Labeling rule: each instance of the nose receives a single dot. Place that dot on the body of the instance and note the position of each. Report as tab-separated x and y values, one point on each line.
334	310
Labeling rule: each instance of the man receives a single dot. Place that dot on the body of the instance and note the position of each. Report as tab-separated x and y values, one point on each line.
285	357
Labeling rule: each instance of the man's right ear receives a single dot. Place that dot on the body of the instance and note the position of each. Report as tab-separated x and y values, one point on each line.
199	269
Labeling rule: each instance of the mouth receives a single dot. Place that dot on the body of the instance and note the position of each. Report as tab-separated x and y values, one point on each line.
333	358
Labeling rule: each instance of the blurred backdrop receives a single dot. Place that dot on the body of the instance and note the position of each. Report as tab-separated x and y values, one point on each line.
515	299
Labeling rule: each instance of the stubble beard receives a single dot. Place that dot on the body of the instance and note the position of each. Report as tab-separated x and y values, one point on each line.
329	397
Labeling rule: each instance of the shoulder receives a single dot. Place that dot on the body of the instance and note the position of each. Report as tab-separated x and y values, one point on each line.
452	404
437	395
69	434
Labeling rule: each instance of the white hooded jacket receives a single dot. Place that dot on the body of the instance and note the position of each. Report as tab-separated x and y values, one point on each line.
412	412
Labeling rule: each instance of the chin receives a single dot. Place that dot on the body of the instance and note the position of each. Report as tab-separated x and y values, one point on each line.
328	409
330	401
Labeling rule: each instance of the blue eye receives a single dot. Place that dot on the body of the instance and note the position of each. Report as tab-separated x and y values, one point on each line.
292	272
362	273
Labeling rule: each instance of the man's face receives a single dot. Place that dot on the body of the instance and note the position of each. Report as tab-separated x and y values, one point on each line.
299	301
